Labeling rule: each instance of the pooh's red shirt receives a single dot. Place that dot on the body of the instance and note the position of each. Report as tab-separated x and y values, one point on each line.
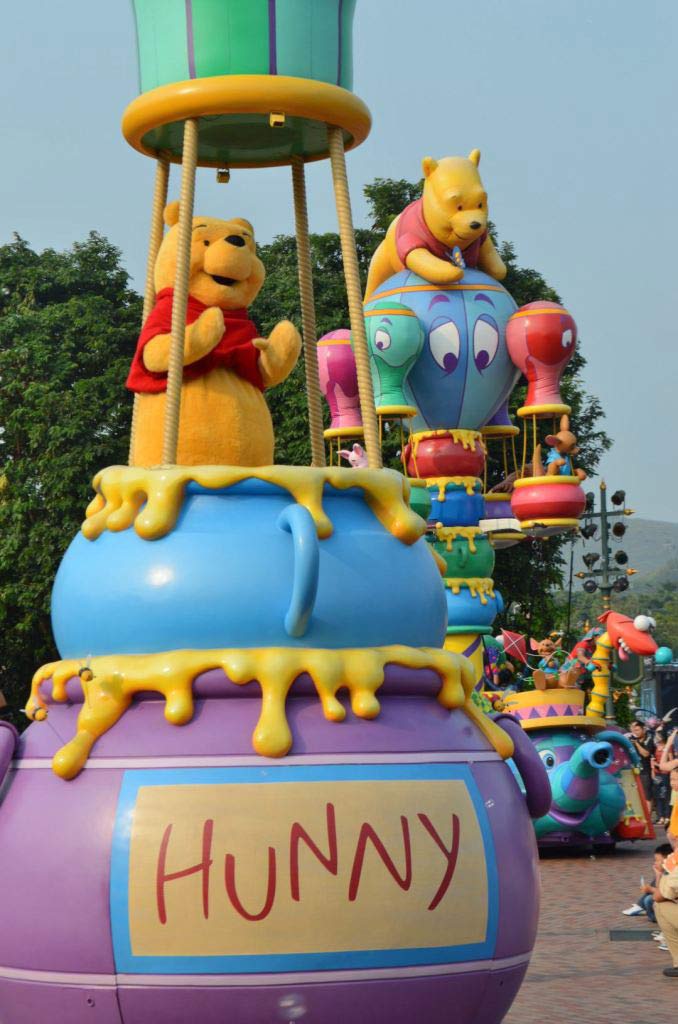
234	352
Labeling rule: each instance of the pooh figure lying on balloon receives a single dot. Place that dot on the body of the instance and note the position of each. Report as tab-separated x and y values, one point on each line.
224	419
445	231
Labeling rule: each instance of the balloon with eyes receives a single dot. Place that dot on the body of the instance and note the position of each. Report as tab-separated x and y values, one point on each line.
395	339
460	375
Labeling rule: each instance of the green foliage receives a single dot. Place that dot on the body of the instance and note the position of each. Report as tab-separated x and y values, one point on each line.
68	326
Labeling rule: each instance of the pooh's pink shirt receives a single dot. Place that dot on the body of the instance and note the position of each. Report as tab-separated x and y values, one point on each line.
412	233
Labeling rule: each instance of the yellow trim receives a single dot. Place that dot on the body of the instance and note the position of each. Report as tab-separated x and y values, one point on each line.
151	499
497	496
448	534
333	341
477	586
441	482
421	435
559	721
544	410
436	288
529	524
383	312
499	431
399	411
246	94
529	481
343	432
534	312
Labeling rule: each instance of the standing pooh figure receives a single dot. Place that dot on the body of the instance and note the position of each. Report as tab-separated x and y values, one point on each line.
442	233
224	418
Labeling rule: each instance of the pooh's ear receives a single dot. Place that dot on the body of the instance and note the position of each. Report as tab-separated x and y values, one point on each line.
244	224
474	156
171	214
428	165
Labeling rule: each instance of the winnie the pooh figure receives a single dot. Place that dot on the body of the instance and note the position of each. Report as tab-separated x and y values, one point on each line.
224	418
445	231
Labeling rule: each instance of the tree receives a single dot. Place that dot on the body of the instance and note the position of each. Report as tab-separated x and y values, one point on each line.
68	326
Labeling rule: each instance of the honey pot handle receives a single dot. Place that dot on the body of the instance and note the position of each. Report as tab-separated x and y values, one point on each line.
297	521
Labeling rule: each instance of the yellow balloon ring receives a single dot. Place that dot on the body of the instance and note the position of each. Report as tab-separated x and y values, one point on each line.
239	119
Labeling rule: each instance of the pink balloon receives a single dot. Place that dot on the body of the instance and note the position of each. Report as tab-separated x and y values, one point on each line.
338	379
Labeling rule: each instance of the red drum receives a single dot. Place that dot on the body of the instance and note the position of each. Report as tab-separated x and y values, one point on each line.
548	504
445	453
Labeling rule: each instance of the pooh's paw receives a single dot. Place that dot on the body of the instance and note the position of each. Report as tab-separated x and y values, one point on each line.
203	335
433	269
279	353
210	327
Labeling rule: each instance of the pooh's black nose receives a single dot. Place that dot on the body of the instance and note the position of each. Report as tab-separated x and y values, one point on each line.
474	225
235	240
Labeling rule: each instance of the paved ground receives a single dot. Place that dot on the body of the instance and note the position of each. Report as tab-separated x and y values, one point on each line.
577	975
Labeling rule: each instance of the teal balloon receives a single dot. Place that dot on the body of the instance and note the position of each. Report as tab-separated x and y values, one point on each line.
395	339
664	656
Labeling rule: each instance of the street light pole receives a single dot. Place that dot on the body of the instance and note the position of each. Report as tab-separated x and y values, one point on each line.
601	578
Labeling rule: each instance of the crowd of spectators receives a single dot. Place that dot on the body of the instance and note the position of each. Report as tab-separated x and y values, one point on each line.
658	898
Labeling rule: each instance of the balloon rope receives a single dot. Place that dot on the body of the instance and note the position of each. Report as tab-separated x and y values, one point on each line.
180	301
308	325
353	291
154	241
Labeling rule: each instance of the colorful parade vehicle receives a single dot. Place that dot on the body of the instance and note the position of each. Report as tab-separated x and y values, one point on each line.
258	785
593	769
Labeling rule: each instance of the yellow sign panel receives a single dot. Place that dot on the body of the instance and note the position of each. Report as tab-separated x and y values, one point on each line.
304	867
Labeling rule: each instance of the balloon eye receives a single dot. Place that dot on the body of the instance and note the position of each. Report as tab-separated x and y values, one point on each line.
382	339
548	758
445	344
642	623
485	342
567	338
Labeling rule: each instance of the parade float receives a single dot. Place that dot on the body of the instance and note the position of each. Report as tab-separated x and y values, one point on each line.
597	796
257	785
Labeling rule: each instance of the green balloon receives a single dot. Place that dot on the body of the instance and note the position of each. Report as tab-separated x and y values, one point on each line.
395	339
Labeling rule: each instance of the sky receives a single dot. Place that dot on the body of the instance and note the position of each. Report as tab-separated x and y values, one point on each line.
571	102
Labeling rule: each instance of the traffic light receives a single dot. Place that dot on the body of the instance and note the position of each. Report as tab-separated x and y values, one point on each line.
618	498
590	501
590	586
590	559
618	530
588	531
621	558
620	584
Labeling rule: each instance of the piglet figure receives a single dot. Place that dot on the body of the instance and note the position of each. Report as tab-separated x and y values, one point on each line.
356	457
